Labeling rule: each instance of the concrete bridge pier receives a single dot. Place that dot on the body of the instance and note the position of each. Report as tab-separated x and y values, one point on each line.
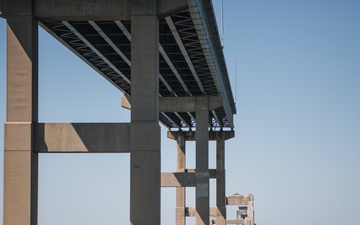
209	98
20	159
180	191
144	131
185	177
202	162
220	180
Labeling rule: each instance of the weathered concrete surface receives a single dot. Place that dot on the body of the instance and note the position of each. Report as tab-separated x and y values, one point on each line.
220	182
72	10
145	156
238	199
192	211
245	214
82	137
180	104
178	180
213	173
180	191
20	161
188	104
20	187
125	103
98	10
202	163
21	65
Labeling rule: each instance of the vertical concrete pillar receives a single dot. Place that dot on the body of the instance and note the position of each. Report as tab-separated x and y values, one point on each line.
202	162
20	161
220	180
145	131
180	191
250	210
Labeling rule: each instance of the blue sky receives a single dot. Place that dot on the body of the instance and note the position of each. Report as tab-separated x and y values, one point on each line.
297	144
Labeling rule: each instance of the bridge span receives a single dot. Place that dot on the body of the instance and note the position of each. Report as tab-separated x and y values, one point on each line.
165	56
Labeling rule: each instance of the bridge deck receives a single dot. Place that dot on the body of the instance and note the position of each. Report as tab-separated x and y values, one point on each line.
191	58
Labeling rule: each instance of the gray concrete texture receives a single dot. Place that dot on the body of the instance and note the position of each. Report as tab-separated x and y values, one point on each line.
145	131
20	162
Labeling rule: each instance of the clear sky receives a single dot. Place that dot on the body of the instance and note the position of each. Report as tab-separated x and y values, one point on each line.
297	144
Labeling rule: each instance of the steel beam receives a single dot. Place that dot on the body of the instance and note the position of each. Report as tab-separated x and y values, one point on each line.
191	135
184	52
209	38
96	51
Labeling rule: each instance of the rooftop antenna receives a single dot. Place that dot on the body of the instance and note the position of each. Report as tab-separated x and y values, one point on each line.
222	23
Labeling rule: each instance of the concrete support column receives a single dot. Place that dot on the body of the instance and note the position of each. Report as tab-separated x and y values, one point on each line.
202	162
220	181
20	160
180	191
145	131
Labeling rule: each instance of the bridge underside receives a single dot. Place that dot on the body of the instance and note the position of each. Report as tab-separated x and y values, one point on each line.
186	65
165	56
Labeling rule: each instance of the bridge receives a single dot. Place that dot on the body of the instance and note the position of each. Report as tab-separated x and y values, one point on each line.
165	56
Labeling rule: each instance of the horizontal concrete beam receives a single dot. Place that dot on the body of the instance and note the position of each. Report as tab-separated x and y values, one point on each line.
178	179
191	211
82	137
212	172
80	10
188	104
96	10
237	199
242	222
191	135
180	104
183	179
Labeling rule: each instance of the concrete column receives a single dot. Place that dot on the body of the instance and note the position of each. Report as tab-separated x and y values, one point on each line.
145	131
220	181
202	162
250	210
180	191
20	160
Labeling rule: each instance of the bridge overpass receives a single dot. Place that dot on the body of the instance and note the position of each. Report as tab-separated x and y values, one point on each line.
164	55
